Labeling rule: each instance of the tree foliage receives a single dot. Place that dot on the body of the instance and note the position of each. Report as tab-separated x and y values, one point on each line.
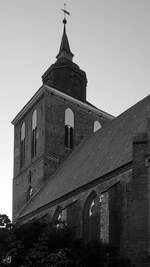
5	221
5	236
43	244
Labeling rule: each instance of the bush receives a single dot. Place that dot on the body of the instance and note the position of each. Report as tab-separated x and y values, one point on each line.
39	244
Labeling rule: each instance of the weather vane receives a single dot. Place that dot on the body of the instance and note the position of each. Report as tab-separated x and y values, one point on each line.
65	12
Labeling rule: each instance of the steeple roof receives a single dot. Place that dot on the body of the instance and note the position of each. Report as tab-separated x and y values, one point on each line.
64	75
64	51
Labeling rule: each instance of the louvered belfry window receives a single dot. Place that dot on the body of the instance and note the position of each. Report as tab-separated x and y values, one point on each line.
69	126
34	134
22	145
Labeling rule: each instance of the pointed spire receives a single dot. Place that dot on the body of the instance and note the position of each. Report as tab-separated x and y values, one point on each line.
64	51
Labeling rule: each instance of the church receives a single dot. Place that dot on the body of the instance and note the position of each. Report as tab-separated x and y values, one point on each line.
78	165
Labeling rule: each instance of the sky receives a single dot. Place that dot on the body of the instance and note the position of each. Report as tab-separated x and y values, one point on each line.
111	43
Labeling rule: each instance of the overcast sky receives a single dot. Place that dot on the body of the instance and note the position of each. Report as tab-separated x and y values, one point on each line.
109	38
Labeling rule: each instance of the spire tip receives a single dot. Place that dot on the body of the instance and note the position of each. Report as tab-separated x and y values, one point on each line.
64	21
64	51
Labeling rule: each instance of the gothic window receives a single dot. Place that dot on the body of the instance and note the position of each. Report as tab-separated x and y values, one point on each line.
60	217
97	126
22	145
69	126
96	217
91	218
34	134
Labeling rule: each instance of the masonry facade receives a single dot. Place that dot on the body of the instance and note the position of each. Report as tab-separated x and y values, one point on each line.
77	165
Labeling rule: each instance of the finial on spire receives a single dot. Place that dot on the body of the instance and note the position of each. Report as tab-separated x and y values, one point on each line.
65	12
64	51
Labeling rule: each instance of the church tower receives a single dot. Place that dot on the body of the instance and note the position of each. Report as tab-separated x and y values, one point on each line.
65	75
51	125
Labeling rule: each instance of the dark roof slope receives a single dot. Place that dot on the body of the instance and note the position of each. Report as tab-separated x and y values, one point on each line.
65	45
106	150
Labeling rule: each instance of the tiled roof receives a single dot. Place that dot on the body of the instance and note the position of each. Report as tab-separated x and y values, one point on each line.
103	152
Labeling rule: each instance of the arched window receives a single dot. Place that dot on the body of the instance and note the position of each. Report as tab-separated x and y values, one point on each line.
69	126
34	134
97	126
91	218
96	217
22	145
60	217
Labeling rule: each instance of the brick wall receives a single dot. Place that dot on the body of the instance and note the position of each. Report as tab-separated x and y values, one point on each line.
40	136
51	150
135	239
35	165
21	184
55	149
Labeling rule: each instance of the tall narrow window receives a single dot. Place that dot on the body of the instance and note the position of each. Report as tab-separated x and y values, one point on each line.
22	145
69	126
34	134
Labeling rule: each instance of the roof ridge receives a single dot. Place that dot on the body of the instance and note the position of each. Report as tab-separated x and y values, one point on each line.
132	107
